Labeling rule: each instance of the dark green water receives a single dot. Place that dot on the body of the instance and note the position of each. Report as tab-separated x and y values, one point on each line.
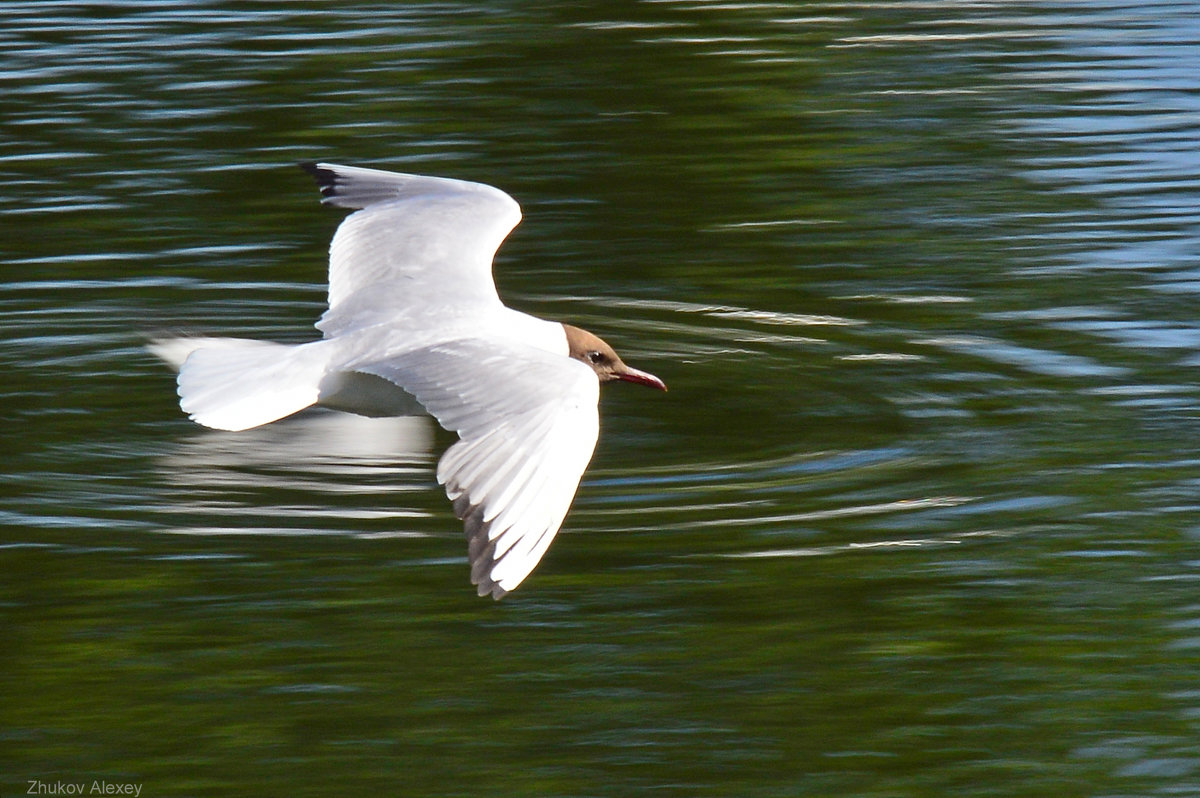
918	516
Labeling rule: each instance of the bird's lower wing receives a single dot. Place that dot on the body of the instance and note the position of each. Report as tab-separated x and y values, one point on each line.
527	423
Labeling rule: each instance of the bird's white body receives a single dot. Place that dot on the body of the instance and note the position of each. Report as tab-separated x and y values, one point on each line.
237	383
414	321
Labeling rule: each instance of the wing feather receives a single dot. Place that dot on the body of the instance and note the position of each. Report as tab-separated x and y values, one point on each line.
526	434
419	242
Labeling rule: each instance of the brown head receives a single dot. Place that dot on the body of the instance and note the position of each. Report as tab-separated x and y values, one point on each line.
608	366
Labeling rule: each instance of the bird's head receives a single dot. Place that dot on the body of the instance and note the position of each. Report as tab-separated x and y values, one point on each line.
592	350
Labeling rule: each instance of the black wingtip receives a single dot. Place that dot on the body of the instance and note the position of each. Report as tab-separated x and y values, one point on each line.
326	178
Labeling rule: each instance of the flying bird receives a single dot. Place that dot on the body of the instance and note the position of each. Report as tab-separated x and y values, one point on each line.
414	317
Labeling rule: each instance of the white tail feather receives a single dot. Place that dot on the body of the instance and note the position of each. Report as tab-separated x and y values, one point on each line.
235	384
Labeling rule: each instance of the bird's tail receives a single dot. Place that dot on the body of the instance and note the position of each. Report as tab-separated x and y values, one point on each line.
236	384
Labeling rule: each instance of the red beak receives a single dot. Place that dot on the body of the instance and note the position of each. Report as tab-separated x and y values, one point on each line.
641	378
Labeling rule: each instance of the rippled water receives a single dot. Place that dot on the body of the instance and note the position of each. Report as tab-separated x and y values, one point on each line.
917	517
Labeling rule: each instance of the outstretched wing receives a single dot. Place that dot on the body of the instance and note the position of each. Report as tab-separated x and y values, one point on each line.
527	423
418	244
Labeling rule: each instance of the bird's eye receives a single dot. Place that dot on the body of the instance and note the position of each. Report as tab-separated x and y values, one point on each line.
595	357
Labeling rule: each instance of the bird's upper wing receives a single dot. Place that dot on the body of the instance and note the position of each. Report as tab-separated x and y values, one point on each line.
419	243
527	423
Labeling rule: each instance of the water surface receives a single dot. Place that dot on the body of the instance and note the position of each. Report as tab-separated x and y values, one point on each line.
917	516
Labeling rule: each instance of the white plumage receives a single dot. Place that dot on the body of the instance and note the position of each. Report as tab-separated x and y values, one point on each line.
413	314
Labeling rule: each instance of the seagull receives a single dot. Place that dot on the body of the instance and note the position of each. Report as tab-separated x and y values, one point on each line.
415	324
